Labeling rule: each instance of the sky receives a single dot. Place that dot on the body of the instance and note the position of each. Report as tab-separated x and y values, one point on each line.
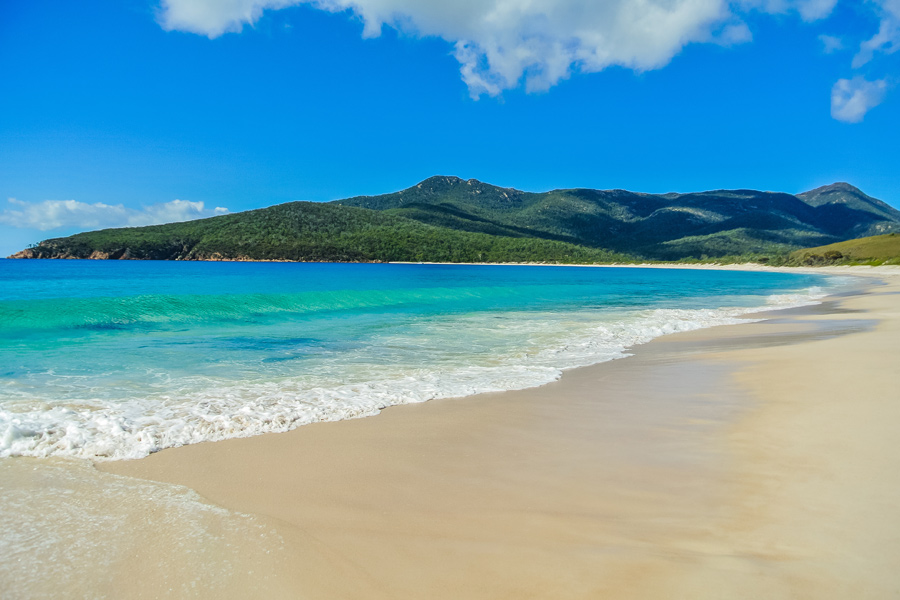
130	112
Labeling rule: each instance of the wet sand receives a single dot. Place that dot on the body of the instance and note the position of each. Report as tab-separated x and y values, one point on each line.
747	461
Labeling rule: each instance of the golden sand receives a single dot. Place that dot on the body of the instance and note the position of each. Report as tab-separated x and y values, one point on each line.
749	461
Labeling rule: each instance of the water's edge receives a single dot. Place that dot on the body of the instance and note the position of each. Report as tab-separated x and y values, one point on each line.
246	407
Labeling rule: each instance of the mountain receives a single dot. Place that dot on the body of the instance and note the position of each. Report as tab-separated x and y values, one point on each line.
448	219
853	213
657	226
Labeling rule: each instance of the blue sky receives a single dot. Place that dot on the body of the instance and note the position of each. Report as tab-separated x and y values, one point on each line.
128	112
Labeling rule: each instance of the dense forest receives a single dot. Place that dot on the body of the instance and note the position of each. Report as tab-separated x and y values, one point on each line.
307	231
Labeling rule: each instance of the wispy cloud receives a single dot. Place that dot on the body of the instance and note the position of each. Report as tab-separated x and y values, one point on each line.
851	99
887	39
57	214
831	43
809	10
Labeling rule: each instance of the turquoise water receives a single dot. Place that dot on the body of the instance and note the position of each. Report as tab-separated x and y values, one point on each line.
116	359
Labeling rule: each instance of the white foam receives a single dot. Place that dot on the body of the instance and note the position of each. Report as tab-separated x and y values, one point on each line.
209	410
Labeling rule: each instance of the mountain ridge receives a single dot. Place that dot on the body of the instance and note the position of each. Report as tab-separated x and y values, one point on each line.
649	225
450	219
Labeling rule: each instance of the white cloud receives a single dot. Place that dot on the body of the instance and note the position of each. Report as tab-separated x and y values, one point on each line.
851	99
887	40
56	214
812	10
505	44
831	44
214	17
809	10
172	212
502	44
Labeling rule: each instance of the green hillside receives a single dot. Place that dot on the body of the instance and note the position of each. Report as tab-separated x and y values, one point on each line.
308	231
875	250
655	226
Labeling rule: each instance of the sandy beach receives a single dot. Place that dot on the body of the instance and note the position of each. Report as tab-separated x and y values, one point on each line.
748	461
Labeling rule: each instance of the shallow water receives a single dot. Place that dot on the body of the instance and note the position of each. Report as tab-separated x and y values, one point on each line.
111	360
69	531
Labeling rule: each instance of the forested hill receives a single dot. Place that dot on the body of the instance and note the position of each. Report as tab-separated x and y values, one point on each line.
447	219
657	226
309	231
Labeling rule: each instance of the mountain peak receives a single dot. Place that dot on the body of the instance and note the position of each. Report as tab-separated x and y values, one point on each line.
441	180
842	197
836	193
839	186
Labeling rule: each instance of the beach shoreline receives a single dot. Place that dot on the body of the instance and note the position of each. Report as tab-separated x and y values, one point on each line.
688	467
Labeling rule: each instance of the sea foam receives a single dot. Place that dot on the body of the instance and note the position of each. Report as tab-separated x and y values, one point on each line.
496	352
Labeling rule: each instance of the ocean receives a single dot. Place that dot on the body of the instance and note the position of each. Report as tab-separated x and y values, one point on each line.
107	360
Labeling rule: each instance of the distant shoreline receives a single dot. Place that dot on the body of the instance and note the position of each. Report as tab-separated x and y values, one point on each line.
750	266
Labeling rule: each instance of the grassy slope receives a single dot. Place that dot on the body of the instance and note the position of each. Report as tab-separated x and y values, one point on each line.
874	250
